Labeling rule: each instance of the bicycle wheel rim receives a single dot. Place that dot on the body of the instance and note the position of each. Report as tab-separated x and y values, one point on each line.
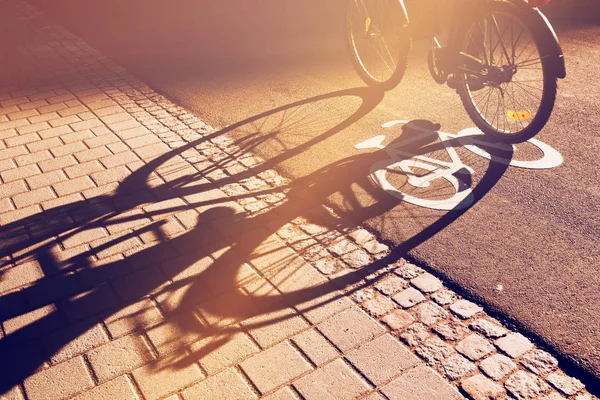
377	39
514	107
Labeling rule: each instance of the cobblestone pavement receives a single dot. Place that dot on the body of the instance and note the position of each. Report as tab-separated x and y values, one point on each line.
146	255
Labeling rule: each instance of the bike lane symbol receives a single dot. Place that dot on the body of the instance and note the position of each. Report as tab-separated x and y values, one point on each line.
408	164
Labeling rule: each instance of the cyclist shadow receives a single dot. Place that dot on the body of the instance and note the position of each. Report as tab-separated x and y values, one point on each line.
214	301
76	289
274	296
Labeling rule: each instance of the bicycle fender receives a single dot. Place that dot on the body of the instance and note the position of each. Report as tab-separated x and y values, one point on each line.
549	43
404	12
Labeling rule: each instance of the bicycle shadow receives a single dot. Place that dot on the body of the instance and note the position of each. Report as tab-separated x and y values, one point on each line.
82	285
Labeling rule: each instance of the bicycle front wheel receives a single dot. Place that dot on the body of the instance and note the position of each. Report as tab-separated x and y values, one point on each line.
504	79
379	41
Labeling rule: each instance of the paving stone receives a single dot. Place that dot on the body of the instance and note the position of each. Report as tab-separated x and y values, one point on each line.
523	385
314	252
42	320
341	247
415	334
362	295
456	366
565	384
478	387
452	329
408	270
322	307
84	337
20	275
268	328
397	320
67	379
434	350
285	393
430	313
335	381
552	396
222	386
444	297
391	285
274	367
350	328
474	347
329	265
465	309
357	259
15	394
87	304
361	236
585	396
119	388
539	362
16	151
374	247
409	297
177	332
164	376
338	243
73	186
374	396
315	347
118	357
12	188
379	305
215	354
37	196
497	366
427	283
420	383
488	328
382	359
19	173
514	344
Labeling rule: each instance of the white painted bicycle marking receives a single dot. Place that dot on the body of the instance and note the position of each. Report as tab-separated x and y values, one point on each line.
551	158
407	164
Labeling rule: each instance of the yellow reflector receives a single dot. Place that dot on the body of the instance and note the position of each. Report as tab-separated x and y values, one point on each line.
367	24
519	115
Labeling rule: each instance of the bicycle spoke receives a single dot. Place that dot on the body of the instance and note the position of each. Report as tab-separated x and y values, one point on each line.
520	105
487	102
500	40
516	44
529	94
484	49
533	61
525	47
525	85
515	105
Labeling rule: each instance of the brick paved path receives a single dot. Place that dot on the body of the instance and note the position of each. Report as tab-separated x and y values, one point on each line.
146	256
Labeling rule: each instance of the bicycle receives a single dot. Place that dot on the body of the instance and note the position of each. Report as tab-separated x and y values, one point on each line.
503	58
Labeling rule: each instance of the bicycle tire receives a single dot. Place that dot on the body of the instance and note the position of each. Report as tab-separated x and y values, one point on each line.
549	90
402	48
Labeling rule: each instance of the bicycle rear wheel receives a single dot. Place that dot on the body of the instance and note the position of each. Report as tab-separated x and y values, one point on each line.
379	41
505	82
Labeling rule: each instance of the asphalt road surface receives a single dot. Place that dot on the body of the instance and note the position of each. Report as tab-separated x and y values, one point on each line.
277	72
